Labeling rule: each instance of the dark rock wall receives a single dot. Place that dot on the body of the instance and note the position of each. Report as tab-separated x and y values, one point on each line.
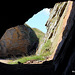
64	57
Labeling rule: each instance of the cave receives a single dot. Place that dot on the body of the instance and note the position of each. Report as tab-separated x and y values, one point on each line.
15	18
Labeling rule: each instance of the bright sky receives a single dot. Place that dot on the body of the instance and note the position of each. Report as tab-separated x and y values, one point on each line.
39	20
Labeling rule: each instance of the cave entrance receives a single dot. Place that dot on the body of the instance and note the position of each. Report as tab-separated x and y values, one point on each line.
37	25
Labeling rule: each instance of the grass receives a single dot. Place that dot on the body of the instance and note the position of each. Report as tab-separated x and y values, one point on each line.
46	48
39	33
25	59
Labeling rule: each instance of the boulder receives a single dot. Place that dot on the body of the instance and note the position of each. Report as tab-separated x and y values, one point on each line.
16	41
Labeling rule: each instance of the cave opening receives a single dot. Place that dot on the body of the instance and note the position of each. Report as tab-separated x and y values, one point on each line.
30	69
36	24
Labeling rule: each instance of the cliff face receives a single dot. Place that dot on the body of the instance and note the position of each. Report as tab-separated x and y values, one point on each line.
60	31
59	25
53	24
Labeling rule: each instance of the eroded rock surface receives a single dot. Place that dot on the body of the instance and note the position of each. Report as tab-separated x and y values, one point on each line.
61	31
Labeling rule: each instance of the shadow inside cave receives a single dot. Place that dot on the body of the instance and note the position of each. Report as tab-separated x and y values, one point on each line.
66	47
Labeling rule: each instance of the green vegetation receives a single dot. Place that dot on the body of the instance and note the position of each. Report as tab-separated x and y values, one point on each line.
25	59
46	48
39	33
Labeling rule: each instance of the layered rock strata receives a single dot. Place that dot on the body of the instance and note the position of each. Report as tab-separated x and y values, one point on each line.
61	32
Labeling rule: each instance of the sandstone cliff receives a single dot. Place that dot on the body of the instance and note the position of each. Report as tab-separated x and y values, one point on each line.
60	32
54	25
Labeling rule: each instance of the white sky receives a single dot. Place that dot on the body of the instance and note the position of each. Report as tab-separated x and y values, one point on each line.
46	10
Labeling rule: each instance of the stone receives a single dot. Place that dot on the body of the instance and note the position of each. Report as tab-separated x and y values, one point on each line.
16	41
